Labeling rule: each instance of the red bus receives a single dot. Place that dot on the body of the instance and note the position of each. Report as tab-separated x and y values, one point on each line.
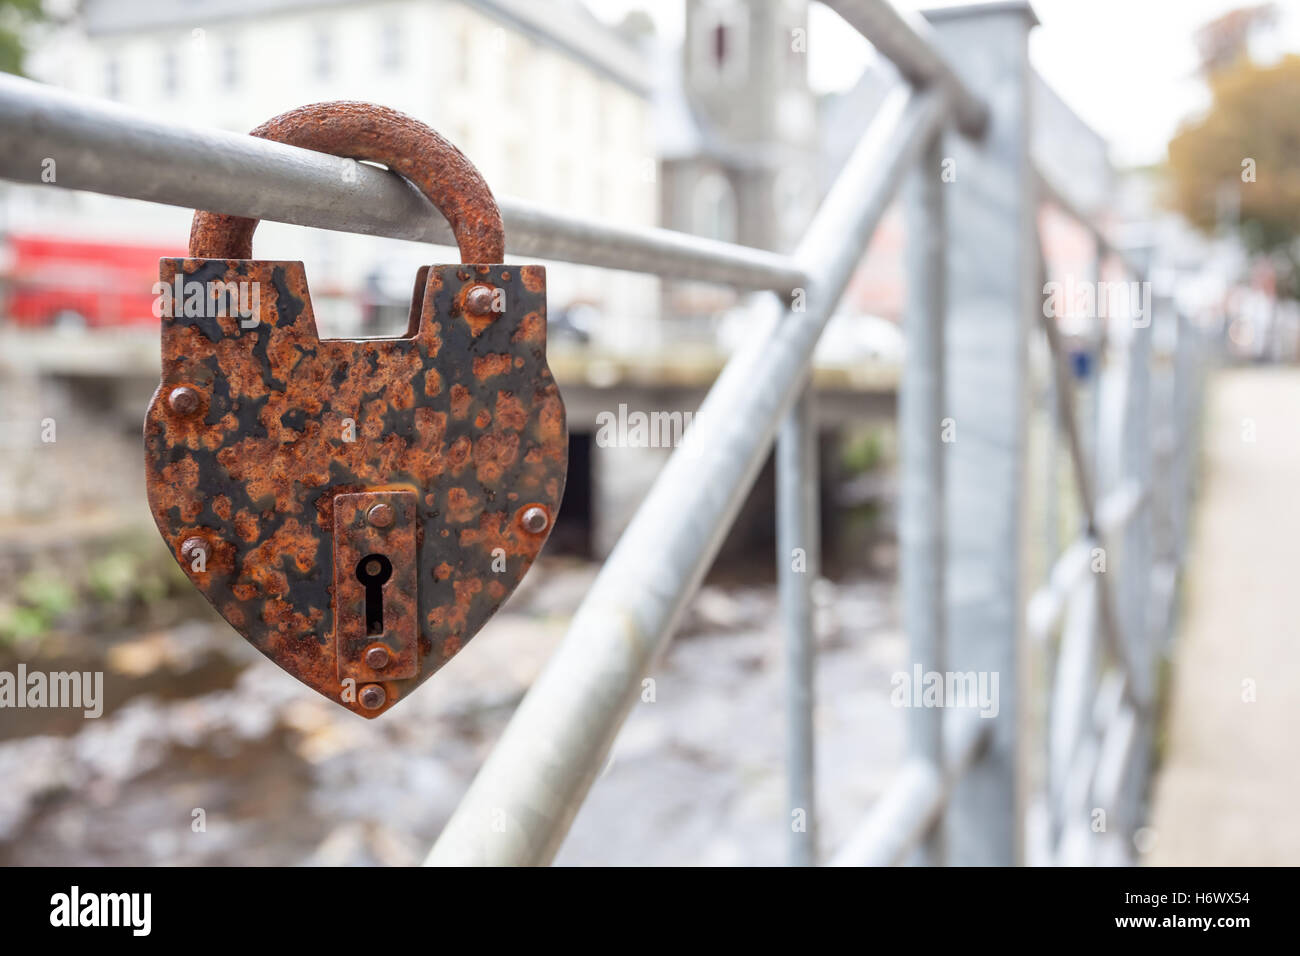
48	281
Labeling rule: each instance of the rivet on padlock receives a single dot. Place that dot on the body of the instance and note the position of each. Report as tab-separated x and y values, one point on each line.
353	499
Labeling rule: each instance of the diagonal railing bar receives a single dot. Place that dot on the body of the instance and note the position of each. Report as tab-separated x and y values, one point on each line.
105	148
1087	497
537	775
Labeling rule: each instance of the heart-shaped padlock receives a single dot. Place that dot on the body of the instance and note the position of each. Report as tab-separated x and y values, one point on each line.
356	509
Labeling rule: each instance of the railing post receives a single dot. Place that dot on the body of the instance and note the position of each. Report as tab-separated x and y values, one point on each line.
1109	399
991	300
1135	590
798	564
921	412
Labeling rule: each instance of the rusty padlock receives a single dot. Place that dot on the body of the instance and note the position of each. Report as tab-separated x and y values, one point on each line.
356	509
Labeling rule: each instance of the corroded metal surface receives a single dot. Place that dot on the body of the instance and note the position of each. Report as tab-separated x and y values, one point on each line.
376	586
405	145
277	462
464	413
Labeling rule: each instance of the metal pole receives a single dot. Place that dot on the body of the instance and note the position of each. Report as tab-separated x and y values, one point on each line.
921	433
798	564
909	42
991	296
535	779
1085	470
1136	579
105	148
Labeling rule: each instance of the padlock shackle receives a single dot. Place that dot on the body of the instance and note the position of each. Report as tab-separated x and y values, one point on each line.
382	135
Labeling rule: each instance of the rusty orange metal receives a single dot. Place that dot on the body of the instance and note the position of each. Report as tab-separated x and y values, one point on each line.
277	462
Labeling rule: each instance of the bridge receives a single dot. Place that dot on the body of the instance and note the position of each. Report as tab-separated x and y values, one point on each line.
1044	525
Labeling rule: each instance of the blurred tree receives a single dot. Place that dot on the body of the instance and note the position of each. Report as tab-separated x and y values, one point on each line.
15	17
1238	166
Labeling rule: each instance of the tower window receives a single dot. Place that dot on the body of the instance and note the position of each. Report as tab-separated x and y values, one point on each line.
719	44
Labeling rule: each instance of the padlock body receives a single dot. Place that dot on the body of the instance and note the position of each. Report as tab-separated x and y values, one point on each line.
272	448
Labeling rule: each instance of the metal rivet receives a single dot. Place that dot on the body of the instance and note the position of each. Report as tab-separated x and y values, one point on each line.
380	516
377	658
183	400
372	697
193	547
535	520
478	300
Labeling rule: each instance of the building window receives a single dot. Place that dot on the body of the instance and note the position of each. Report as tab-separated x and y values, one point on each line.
229	66
169	80
113	78
322	55
390	47
720	42
713	211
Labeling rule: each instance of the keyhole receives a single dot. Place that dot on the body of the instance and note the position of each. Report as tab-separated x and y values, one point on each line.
372	571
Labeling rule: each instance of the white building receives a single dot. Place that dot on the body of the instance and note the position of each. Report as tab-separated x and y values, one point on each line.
551	106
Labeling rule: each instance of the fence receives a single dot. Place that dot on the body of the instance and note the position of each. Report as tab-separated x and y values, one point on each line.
974	288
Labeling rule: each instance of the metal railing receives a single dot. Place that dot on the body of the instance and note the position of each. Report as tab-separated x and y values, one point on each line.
972	262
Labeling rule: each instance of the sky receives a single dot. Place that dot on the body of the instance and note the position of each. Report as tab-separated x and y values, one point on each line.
1128	67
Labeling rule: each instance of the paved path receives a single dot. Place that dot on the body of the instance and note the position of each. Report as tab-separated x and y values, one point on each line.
1229	790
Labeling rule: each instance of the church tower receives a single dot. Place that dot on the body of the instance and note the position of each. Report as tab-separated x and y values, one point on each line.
745	75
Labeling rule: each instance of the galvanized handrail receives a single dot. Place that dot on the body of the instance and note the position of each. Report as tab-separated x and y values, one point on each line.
537	776
105	148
